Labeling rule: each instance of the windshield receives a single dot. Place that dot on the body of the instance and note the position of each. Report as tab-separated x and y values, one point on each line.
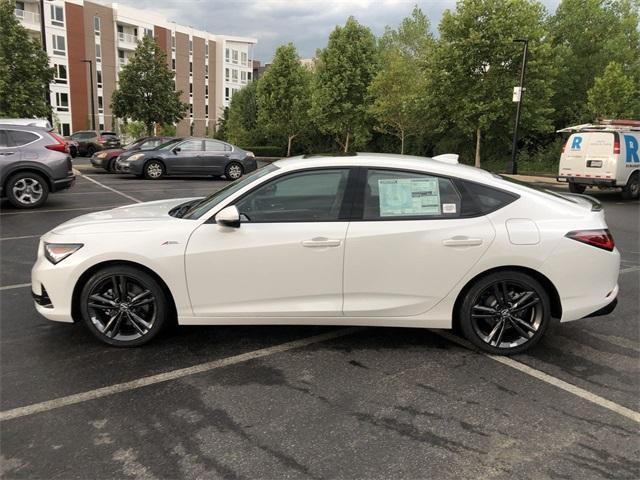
135	145
198	209
535	187
167	143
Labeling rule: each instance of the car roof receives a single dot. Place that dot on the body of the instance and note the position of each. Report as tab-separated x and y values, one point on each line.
387	160
27	128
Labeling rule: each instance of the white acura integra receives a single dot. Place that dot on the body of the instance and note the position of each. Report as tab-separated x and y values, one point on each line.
368	239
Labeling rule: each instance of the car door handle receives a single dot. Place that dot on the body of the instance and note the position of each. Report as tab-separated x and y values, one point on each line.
7	153
460	241
320	242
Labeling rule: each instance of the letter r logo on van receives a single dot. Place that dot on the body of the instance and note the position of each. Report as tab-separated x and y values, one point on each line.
575	145
632	147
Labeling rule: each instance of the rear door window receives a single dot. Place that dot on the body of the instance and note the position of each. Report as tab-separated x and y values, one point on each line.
20	139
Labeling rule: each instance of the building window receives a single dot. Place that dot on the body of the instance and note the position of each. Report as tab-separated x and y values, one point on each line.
191	89
59	46
226	54
190	47
234	75
100	104
20	6
206	110
173	64
243	58
60	75
57	16
96	25
147	32
249	76
243	77
191	110
98	53
226	93
62	102
99	78
234	57
101	126
190	68
173	43
226	74
206	71
65	129
206	91
206	50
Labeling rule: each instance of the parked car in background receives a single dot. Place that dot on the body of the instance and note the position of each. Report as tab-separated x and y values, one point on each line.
90	141
33	162
189	156
107	158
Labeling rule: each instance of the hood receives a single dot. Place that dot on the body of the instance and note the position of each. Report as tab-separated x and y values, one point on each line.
138	217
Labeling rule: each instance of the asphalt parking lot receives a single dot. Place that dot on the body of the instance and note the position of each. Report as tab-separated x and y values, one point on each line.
307	402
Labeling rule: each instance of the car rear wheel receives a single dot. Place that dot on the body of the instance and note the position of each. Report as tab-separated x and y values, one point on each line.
631	190
27	190
505	313
576	188
123	306
233	171
153	170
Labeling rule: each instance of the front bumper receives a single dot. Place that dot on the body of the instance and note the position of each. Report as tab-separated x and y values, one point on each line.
249	164
597	182
96	161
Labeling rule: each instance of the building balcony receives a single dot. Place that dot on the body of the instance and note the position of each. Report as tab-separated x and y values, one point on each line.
28	19
127	40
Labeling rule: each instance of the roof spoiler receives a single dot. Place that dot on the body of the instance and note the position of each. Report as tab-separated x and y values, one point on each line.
451	158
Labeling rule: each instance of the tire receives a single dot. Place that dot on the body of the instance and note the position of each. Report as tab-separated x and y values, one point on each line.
119	323
576	188
503	327
631	190
233	171
90	151
111	166
153	170
27	190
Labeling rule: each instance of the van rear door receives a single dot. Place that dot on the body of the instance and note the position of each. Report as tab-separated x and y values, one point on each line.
590	155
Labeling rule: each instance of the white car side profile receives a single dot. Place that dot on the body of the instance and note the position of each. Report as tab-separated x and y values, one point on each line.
366	239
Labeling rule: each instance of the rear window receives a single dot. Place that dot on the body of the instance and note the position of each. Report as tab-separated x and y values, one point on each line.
19	138
109	134
479	199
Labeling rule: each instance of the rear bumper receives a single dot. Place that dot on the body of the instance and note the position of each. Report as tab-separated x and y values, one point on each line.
63	183
602	182
606	310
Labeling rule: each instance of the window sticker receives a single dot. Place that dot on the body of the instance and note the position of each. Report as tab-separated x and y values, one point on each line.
448	208
409	197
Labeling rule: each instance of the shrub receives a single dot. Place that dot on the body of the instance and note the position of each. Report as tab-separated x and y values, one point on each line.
266	151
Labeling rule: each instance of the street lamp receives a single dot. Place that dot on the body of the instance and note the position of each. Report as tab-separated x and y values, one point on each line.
93	107
513	166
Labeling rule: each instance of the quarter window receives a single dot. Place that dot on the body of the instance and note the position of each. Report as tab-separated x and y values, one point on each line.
313	196
478	198
407	195
3	139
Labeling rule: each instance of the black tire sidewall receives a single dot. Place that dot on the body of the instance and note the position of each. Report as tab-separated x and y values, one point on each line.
18	176
146	166
162	308
228	167
626	190
575	188
90	151
480	285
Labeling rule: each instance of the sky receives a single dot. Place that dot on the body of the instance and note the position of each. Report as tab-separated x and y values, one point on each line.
306	23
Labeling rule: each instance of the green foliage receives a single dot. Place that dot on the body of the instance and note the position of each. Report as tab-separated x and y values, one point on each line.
266	151
134	130
614	94
167	130
241	126
283	96
221	126
398	87
24	69
587	35
145	92
344	71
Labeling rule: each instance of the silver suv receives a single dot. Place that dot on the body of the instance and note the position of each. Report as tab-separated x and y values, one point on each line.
33	162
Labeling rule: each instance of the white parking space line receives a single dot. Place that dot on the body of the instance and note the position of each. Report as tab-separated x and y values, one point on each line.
17	285
77	172
551	380
25	212
2	239
630	269
172	375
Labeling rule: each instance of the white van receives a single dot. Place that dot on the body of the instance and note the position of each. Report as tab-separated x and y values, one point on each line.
606	155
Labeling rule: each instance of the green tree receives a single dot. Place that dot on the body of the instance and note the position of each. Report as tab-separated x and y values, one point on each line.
344	71
241	127
614	94
146	92
24	69
284	96
587	35
398	87
221	125
477	64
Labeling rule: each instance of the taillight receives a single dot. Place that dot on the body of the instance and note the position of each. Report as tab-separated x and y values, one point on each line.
616	145
100	139
596	238
59	146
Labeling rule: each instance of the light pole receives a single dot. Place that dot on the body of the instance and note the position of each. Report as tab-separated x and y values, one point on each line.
513	166
93	107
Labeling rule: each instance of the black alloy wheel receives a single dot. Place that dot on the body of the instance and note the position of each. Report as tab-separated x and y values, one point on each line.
505	313
123	306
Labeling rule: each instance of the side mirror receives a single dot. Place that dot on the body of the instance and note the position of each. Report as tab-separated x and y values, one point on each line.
176	150
228	217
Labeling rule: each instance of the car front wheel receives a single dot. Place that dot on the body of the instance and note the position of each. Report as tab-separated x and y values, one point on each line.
153	170
27	190
233	171
123	306
505	313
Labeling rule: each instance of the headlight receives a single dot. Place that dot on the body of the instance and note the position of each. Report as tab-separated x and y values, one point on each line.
102	155
250	154
135	157
56	252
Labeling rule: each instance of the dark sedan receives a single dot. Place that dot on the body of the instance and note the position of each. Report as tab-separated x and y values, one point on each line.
189	156
107	158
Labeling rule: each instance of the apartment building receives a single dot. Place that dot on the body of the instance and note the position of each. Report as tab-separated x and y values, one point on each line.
88	43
